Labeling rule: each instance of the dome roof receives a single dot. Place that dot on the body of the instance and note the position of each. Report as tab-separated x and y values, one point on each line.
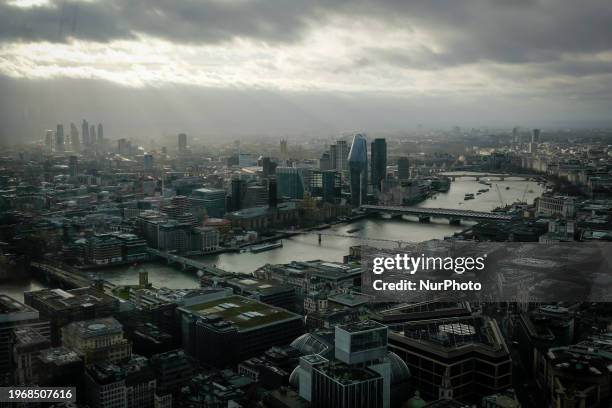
399	370
415	402
314	343
294	378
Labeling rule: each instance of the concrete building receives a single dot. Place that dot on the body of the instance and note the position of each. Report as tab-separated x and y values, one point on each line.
14	315
98	340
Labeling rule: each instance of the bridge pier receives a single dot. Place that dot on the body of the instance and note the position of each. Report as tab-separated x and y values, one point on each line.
477	178
424	218
502	178
454	221
396	216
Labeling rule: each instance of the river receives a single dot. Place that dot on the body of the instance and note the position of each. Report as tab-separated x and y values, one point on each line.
306	247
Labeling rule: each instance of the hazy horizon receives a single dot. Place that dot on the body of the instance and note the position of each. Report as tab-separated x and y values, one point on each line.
245	68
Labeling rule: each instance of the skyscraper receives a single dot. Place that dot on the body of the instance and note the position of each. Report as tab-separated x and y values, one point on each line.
92	134
341	157
379	162
238	192
358	170
49	140
535	136
283	149
332	186
75	142
403	168
272	197
100	133
290	182
148	161
85	133
182	142
59	138
325	162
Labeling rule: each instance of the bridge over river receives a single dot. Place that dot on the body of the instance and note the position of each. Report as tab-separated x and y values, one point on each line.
424	214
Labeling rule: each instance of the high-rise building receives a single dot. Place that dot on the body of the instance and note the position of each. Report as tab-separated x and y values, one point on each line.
49	140
403	168
332	157
535	136
211	199
182	142
59	139
272	193
290	182
75	142
85	133
268	167
15	315
284	154
148	161
28	344
239	188
92	134
341	156
100	133
332	186
325	162
358	170
379	162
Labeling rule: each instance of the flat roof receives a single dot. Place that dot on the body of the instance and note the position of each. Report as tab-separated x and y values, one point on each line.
244	313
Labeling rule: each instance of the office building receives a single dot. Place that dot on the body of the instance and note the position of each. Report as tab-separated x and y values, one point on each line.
268	167
128	384
97	340
92	134
361	372
535	136
172	369
284	153
75	142
85	133
62	307
59	139
15	315
182	142
403	168
28	343
379	163
100	134
290	182
272	193
210	199
555	205
358	170
340	153
59	367
460	358
148	161
325	162
239	188
332	186
226	331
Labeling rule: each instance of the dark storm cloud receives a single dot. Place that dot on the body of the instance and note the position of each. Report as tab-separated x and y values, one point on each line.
468	31
183	21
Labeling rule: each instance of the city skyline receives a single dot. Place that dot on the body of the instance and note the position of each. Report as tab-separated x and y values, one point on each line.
303	68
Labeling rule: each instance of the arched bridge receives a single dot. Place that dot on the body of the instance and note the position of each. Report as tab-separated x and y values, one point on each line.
425	213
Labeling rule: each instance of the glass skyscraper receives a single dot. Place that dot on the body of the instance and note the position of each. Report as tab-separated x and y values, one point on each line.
358	170
379	162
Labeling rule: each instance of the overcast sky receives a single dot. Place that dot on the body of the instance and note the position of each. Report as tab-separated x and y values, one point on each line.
251	66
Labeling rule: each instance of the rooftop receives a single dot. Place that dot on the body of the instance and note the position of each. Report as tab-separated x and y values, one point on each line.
96	327
12	310
242	312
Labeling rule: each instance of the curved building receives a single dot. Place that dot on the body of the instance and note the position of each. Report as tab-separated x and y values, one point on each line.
358	169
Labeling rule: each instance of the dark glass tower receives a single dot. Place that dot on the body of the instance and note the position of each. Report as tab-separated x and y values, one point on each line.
379	162
358	169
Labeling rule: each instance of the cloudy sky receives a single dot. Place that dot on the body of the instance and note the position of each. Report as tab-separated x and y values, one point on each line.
252	66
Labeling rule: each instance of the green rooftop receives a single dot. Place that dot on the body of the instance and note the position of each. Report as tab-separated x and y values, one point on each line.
243	312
